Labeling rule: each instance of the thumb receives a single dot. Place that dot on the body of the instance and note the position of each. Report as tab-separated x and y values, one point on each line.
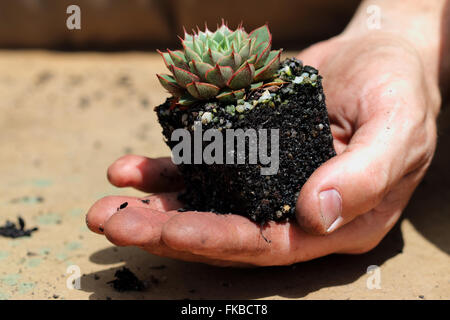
353	182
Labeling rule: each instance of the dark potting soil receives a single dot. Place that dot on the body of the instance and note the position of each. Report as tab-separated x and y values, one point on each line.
127	281
11	230
297	108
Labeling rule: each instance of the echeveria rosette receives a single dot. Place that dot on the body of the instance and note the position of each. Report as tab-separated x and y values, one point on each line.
220	64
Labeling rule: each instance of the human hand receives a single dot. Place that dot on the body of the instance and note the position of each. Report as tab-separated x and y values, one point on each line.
382	105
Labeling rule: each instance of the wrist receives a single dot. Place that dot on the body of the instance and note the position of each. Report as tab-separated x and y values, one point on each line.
420	23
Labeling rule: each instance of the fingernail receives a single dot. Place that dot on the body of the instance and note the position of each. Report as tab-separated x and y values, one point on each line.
330	209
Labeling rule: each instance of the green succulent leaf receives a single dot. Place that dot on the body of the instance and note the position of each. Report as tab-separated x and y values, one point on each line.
197	45
202	35
235	38
178	59
221	64
255	86
188	44
212	57
245	51
271	67
213	45
202	90
200	68
262	57
183	77
191	54
219	75
230	95
225	45
218	37
252	59
186	100
223	29
169	83
187	36
243	77
167	59
262	34
233	60
258	50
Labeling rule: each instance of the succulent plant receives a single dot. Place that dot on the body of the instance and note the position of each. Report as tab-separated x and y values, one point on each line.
220	64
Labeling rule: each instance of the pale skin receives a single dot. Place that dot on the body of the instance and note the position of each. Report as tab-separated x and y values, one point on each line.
383	98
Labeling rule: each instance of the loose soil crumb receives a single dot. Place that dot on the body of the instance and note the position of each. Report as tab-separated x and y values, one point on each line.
127	281
10	230
122	206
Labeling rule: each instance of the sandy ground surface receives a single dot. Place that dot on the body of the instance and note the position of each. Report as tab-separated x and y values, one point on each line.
65	117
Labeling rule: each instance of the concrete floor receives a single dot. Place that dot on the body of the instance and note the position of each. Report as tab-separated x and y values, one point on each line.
64	117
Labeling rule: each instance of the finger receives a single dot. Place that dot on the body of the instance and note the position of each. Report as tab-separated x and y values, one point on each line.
141	227
135	226
104	208
355	181
235	238
145	174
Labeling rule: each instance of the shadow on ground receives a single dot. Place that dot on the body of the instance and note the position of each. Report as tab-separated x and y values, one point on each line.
429	209
181	280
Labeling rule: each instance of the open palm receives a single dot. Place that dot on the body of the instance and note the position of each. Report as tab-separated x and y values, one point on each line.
382	109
